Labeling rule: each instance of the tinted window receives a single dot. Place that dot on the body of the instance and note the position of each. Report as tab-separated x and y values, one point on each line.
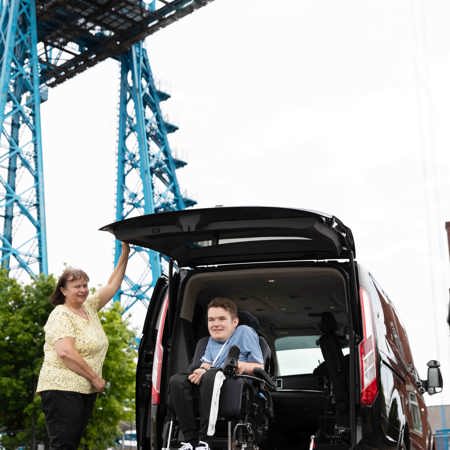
297	354
415	412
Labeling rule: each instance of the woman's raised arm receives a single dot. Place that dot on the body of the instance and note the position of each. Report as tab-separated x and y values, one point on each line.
107	292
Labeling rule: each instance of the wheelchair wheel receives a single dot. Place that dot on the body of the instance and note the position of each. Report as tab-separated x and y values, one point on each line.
245	447
243	437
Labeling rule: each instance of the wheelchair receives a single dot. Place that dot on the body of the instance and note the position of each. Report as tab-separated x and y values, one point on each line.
245	406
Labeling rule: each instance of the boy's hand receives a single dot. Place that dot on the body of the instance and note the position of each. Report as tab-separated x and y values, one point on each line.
247	367
196	375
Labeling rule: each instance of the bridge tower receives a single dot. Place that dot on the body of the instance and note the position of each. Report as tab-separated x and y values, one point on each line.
146	177
42	44
22	220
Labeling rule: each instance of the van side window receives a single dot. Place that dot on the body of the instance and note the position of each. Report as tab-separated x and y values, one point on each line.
298	355
415	412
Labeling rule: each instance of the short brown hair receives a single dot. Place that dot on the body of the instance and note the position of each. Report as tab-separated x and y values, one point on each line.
225	303
69	274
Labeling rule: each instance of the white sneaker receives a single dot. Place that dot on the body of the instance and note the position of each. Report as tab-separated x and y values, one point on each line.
186	446
202	446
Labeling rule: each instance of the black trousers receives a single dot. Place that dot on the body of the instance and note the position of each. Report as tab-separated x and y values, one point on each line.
66	416
183	397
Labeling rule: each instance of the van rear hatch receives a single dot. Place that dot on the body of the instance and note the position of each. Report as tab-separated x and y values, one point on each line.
238	234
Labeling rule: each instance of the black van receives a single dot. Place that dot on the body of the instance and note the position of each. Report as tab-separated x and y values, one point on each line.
340	372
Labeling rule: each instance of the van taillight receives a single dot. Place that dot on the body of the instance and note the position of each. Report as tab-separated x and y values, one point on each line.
367	353
159	353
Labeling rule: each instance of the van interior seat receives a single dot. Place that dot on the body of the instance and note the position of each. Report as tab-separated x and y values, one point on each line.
336	364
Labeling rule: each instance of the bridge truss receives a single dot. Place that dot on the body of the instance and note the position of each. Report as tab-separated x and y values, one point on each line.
42	44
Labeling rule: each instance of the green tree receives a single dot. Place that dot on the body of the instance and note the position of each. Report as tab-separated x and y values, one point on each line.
23	313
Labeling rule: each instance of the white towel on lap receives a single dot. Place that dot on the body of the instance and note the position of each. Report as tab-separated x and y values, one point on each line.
214	411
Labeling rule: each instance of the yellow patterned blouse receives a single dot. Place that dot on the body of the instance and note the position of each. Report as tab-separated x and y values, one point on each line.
90	341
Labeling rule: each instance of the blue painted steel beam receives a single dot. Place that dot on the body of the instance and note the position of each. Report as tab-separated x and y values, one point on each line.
23	241
48	42
146	170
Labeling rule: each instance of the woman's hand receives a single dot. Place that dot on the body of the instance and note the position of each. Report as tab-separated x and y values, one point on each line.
98	383
125	248
196	375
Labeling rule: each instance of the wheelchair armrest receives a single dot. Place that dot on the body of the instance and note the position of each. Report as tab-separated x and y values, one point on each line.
261	375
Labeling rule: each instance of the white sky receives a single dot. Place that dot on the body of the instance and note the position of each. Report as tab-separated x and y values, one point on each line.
337	106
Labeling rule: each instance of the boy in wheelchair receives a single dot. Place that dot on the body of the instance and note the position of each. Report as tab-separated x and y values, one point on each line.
224	334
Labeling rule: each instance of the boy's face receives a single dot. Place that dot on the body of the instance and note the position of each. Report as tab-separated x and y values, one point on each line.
220	323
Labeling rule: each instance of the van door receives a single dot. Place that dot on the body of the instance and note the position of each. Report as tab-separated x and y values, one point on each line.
238	235
149	366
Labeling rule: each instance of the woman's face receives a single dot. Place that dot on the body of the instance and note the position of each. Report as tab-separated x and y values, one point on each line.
76	291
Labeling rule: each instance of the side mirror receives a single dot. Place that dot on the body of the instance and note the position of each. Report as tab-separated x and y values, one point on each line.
434	383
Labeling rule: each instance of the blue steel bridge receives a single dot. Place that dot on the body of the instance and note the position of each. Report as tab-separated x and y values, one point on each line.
42	44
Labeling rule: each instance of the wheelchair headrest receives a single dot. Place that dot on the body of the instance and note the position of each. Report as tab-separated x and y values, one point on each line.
247	318
266	352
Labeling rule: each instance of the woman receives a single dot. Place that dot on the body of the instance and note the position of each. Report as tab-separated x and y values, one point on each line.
74	351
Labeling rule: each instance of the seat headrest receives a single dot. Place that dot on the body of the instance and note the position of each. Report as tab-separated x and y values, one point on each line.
247	318
328	323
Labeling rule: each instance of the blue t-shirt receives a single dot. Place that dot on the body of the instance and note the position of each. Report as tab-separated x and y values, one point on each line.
244	337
